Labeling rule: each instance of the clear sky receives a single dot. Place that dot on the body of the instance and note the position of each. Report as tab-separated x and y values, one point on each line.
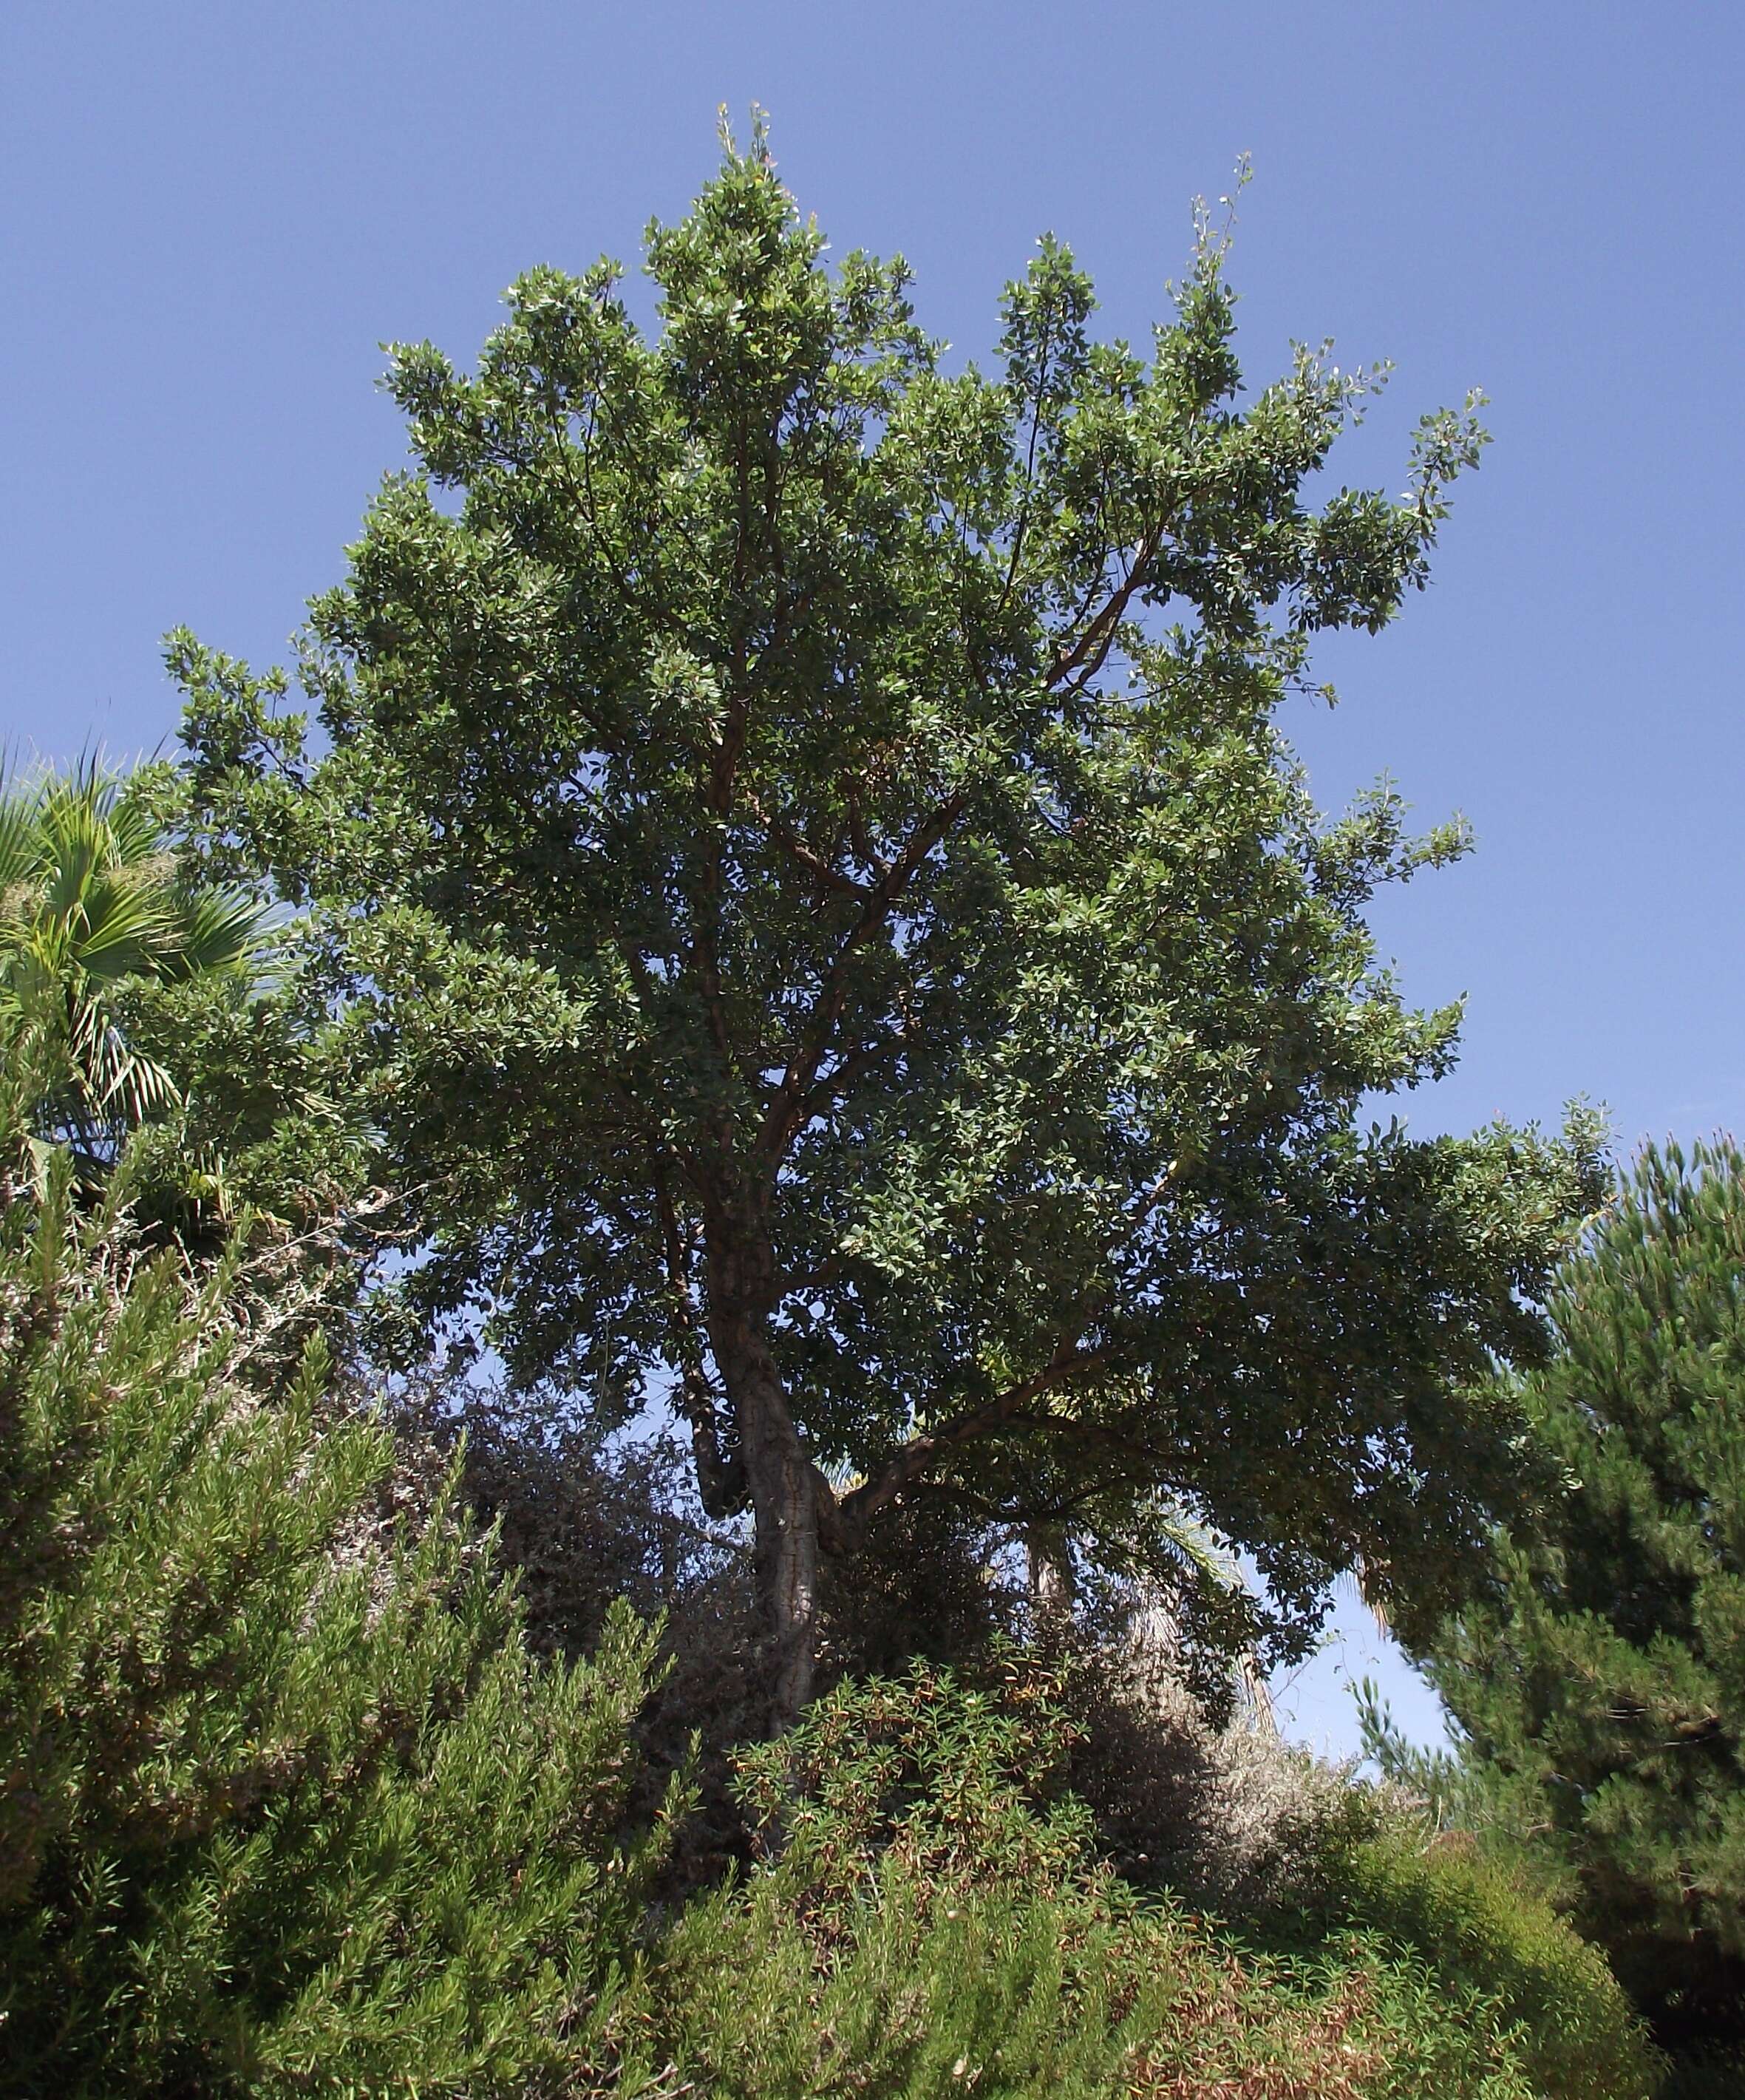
215	214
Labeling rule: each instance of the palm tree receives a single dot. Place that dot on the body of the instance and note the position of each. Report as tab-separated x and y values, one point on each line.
92	901
1169	1554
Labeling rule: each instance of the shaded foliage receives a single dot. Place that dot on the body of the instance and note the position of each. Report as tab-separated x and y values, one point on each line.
1599	1677
291	1807
287	1806
931	1906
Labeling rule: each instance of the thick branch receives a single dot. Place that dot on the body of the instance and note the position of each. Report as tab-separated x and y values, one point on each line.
931	1446
820	870
854	1066
1091	651
720	1476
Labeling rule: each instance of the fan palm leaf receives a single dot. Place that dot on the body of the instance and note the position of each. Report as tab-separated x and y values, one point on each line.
91	902
1168	1555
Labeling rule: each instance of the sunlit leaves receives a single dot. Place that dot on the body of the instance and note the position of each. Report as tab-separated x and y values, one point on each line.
90	901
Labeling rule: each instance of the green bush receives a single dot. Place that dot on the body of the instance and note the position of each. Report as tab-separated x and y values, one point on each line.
289	1806
928	1919
1479	1925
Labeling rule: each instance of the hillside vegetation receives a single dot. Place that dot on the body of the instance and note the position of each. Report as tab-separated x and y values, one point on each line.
291	1808
690	1295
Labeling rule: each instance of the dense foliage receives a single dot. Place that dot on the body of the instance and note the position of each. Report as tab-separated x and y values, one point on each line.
1600	1680
798	907
932	1898
826	923
287	1807
291	1809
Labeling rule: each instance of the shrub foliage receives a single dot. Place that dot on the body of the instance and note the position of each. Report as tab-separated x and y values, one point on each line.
289	1807
930	1917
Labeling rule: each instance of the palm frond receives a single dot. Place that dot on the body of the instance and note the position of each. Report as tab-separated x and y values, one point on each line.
74	853
90	899
215	929
1173	1526
1361	1582
21	836
126	925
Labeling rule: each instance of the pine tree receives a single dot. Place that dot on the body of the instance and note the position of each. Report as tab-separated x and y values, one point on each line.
1602	1682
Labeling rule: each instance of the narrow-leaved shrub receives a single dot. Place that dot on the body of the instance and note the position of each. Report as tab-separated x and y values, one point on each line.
289	1806
929	1919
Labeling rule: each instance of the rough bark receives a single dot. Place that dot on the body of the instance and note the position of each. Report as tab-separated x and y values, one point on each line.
721	1483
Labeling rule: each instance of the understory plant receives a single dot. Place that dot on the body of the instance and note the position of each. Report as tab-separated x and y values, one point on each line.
288	1806
929	1916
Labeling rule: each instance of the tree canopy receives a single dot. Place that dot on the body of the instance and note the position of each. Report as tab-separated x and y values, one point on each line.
811	885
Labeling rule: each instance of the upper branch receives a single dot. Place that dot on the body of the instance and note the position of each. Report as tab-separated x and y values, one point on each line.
822	871
1091	651
788	1107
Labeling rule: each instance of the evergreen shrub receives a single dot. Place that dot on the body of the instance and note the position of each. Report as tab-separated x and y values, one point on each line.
1479	1925
1218	1812
929	1918
289	1806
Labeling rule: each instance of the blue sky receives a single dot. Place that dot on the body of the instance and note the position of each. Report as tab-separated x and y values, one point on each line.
214	214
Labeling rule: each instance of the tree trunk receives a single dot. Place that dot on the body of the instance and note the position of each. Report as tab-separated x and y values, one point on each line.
1048	1558
787	1492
